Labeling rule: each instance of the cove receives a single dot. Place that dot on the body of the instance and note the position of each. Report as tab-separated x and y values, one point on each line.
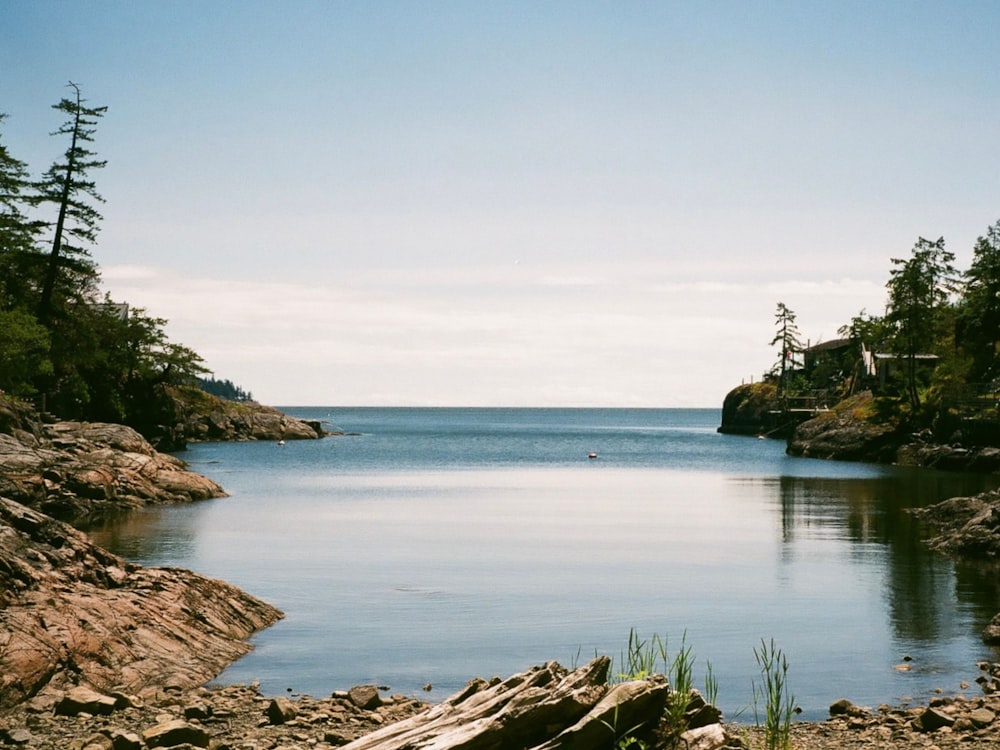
436	545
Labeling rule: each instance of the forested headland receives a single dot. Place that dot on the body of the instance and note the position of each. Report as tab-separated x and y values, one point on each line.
927	369
68	349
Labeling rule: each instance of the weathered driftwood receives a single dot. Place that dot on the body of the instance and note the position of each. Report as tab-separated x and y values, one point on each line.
546	707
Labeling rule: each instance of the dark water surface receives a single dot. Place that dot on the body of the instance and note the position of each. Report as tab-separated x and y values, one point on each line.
442	544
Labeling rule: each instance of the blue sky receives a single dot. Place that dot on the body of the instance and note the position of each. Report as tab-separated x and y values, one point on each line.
548	203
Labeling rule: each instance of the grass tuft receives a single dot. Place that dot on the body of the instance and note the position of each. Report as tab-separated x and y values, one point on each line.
779	703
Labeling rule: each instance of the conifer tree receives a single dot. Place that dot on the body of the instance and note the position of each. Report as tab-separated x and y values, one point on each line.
918	288
787	337
17	232
979	322
68	187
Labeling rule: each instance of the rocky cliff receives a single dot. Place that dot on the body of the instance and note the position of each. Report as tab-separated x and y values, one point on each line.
72	613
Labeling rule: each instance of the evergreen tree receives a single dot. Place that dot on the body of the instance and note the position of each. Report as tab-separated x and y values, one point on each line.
787	337
918	290
979	318
17	233
67	187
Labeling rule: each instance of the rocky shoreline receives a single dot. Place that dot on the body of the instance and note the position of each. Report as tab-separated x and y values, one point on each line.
72	613
859	428
545	707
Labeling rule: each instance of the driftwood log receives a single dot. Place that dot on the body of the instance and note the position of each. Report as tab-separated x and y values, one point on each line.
546	707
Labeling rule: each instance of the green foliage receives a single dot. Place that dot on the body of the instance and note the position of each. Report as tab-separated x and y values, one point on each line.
17	232
681	687
773	703
78	355
918	289
623	739
711	685
978	320
647	657
779	703
224	389
25	346
939	340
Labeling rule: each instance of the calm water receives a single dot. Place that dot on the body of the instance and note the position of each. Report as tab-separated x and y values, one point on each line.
442	544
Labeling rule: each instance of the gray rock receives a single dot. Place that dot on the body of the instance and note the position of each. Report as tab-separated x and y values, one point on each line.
121	740
62	607
700	713
19	736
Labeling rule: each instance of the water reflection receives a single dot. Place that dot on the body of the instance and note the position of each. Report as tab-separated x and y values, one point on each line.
155	535
921	586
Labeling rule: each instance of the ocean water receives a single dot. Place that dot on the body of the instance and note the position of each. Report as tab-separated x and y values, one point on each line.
432	546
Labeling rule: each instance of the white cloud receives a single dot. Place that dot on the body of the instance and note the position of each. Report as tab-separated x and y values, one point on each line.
625	337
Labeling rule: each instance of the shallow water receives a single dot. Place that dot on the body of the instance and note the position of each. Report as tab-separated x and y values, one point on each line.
442	544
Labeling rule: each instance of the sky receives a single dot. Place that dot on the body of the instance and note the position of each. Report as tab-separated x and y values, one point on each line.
511	204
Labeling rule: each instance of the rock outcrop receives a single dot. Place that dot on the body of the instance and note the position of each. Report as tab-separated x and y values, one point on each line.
853	430
189	415
77	470
982	459
749	409
966	528
73	614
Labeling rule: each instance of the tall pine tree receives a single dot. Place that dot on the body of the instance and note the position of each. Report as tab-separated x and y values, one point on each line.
787	336
67	186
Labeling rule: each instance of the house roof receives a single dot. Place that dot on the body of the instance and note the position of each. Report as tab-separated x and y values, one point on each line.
825	346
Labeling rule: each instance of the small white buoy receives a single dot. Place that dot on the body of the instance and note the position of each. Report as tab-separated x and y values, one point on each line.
591	455
281	442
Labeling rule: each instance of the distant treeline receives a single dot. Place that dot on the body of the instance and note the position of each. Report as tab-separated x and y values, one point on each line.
224	389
